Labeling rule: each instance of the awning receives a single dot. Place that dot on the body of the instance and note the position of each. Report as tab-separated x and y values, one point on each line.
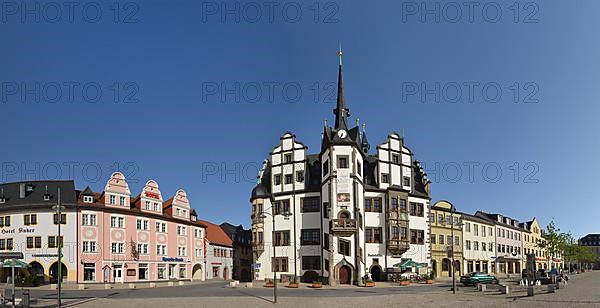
409	264
8	263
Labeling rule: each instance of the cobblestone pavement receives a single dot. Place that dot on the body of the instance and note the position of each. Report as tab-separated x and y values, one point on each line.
583	291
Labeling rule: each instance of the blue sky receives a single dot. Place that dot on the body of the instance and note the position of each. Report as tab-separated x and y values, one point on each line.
178	117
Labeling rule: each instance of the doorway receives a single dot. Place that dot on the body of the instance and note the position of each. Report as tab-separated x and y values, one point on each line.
344	275
118	273
376	273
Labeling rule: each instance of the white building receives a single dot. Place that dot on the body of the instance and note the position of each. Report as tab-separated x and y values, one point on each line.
342	213
28	224
479	244
509	243
219	252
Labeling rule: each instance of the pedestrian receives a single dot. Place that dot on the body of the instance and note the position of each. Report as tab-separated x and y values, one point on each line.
553	274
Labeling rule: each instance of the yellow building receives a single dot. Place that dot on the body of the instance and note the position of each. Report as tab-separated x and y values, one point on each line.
531	240
445	231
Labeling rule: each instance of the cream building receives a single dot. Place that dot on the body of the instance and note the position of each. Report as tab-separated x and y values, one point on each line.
479	244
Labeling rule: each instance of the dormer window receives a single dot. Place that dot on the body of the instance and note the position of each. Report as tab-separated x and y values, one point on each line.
46	197
88	199
29	187
2	200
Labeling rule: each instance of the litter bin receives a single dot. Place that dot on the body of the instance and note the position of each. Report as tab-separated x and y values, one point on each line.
25	298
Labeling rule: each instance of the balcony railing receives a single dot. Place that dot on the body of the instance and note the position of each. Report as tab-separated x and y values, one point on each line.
343	226
258	246
257	219
398	246
397	215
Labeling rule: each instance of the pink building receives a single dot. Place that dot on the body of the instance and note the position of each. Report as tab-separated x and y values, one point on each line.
126	239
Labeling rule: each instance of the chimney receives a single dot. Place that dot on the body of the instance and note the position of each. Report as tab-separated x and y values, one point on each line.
22	190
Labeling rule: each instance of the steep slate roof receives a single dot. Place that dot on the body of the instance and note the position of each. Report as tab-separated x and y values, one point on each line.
493	218
12	193
215	235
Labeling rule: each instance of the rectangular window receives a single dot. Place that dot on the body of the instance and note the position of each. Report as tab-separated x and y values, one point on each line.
373	235
358	168
299	176
310	237
417	237
373	205
456	240
344	247
441	239
161	272
122	201
395	158
311	262
278	179
402	205
29	219
287	158
148	205
342	162
288	179
433	239
467	227
325	241
412	209
325	168
476	229
406	181
483	246
54	241
468	245
279	264
63	219
483	231
475	245
282	238
30	242
385	178
111	199
310	204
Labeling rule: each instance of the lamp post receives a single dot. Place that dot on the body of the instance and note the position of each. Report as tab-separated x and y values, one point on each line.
286	215
459	224
58	208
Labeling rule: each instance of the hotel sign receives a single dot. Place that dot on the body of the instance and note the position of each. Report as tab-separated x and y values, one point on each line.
17	230
166	259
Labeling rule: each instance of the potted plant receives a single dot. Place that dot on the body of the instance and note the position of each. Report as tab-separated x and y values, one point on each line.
404	281
430	278
269	283
294	283
369	283
317	284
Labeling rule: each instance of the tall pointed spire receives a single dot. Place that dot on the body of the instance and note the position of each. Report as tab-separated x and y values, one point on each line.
364	142
341	112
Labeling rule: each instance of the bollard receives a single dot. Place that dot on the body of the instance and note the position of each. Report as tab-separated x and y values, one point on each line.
529	290
504	289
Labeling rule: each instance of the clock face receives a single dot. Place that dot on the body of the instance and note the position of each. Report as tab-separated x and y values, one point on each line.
342	133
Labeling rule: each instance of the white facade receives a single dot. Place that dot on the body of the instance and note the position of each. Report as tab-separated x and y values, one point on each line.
479	244
219	261
341	214
27	225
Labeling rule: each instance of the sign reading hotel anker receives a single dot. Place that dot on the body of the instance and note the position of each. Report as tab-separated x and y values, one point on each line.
17	230
343	187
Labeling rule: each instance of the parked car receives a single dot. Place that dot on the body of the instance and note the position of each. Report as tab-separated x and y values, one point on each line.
475	278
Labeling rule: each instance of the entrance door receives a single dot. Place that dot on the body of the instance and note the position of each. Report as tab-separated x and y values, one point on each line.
344	275
118	273
172	271
376	273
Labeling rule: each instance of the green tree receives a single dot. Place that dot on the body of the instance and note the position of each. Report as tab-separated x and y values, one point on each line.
555	242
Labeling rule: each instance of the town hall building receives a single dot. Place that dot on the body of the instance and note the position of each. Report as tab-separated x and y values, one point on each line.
342	214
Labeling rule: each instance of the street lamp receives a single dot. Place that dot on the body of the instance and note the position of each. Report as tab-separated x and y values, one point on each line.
286	216
459	225
58	208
